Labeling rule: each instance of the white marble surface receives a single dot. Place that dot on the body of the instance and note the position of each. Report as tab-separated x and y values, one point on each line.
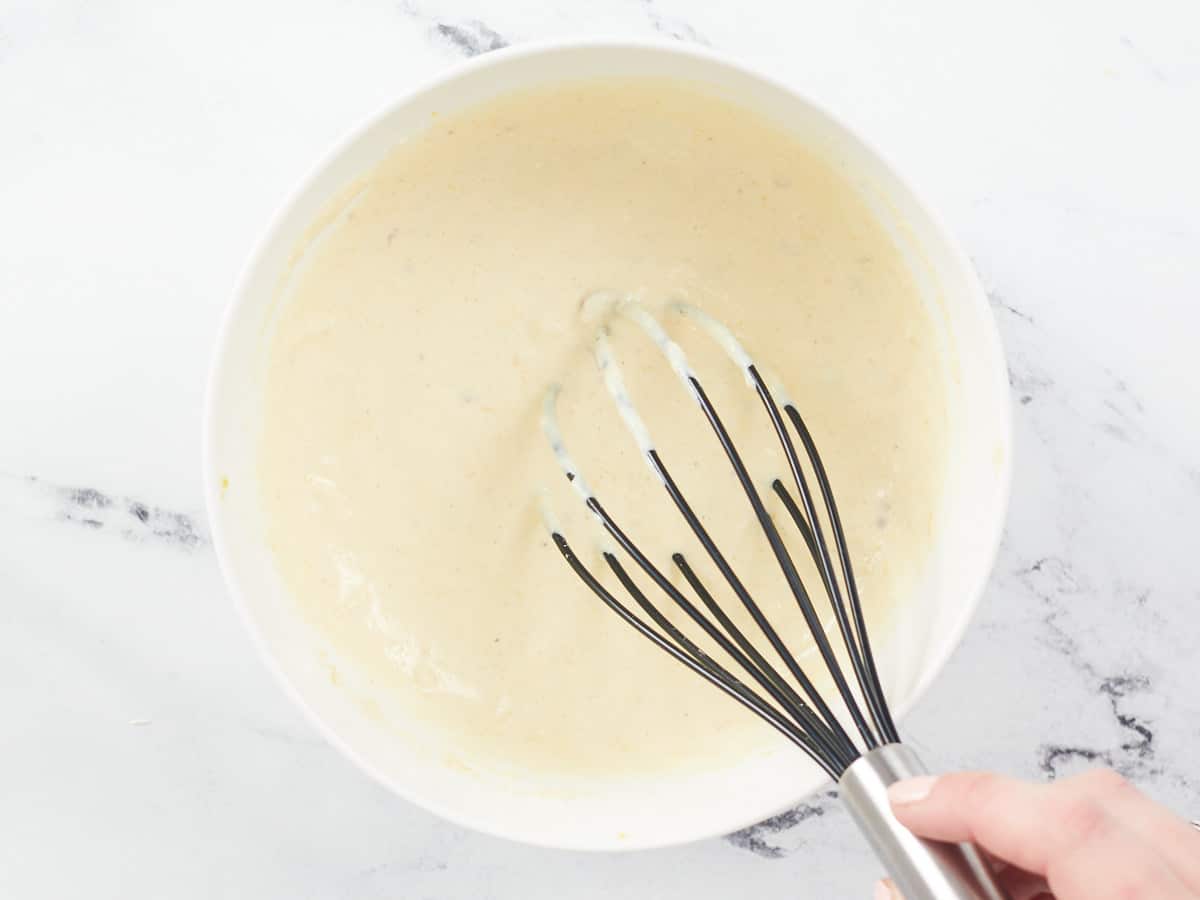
143	750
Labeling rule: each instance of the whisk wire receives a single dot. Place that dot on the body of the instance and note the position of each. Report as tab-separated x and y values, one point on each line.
815	740
873	684
837	741
763	623
851	636
696	660
766	677
786	565
797	516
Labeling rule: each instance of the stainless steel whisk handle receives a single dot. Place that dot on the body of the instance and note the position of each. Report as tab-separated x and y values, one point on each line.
921	869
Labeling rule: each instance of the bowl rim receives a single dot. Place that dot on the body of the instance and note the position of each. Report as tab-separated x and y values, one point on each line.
283	212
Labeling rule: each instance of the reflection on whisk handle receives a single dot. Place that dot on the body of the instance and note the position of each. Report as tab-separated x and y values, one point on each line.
921	869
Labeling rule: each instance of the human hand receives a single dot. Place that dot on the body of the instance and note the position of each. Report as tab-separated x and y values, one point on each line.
1092	837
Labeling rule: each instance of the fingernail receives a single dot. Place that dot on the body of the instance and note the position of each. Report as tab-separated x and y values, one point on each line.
911	790
882	891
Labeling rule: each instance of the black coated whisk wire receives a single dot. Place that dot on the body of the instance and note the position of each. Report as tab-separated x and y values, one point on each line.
804	717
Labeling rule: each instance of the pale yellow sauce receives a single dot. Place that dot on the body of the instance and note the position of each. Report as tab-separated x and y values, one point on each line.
401	455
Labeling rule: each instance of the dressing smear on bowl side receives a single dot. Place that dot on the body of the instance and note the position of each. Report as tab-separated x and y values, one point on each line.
401	457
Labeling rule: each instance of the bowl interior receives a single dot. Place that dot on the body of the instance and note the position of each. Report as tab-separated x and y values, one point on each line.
669	809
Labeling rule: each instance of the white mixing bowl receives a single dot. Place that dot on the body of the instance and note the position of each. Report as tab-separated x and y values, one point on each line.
668	809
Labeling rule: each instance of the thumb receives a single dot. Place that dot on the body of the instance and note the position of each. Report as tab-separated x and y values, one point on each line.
1070	832
1006	817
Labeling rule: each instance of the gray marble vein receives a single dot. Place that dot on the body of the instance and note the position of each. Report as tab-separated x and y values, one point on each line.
999	302
467	36
672	26
471	37
763	839
128	517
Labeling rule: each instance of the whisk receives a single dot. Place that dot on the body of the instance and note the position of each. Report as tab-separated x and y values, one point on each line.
863	769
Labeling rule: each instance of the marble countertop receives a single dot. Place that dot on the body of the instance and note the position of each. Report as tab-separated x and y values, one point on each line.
143	146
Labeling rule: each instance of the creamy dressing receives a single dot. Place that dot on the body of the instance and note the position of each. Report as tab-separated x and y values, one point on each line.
404	463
